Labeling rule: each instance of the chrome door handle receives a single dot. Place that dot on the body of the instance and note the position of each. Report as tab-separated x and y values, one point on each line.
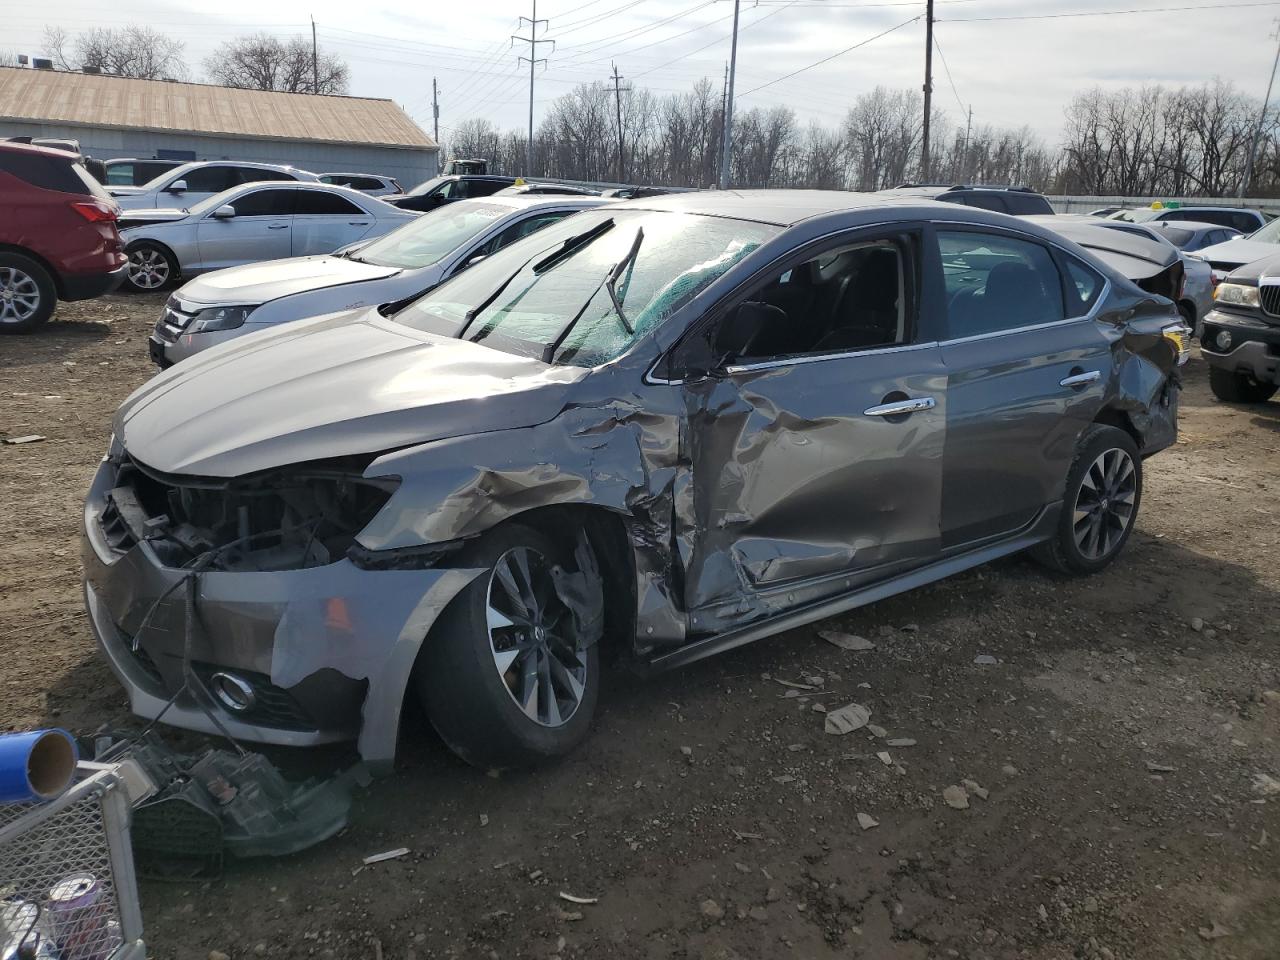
357	223
1080	379
277	226
900	407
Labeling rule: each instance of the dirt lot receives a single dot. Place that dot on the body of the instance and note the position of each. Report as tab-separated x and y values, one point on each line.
1117	742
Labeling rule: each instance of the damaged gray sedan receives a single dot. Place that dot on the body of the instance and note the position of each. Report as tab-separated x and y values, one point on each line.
662	429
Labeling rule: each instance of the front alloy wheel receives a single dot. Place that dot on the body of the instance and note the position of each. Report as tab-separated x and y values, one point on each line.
19	296
149	268
505	675
532	637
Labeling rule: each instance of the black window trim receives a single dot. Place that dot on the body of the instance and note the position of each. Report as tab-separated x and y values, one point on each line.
1054	250
302	188
661	372
257	188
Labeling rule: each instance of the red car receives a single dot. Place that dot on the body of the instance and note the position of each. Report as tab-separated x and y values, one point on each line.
58	237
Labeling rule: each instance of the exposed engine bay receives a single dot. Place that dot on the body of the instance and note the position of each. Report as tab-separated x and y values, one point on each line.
292	518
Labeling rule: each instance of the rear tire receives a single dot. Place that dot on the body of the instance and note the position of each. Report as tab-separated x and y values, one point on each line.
1239	387
27	294
505	640
1099	505
151	267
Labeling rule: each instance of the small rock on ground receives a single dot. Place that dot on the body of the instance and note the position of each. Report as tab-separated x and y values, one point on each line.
955	797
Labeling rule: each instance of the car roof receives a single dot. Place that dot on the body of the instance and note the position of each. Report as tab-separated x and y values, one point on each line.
252	164
1117	246
352	173
30	148
786	208
539	200
1197	225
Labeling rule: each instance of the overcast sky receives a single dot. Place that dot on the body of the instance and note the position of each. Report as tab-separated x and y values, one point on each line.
1012	72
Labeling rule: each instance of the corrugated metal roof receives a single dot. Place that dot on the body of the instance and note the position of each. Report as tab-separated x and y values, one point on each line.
49	96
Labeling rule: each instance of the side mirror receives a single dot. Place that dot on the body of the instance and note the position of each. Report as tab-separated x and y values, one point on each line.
472	260
740	328
225	212
178	186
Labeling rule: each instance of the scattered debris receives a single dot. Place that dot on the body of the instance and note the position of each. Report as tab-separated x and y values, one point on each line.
568	915
883	757
1266	785
1009	770
866	821
741	835
900	742
772	895
819	708
1159	767
846	641
1197	624
711	910
847	719
687	751
972	786
484	819
758	913
1215	932
386	855
583	901
986	660
29	438
794	685
877	731
956	798
1271	696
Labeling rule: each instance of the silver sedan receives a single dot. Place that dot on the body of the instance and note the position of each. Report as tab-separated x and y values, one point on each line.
248	224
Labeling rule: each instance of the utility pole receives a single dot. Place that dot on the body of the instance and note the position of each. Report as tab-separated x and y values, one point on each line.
928	90
1247	179
968	126
435	111
617	97
533	58
315	58
727	149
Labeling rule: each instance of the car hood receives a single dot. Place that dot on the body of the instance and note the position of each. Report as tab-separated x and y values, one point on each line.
141	218
339	385
262	282
1238	251
125	191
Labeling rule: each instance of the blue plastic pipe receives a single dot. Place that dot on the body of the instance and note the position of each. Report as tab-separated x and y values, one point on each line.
36	766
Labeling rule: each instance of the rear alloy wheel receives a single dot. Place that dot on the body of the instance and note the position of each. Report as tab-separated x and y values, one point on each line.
151	267
1100	503
1239	387
506	679
27	294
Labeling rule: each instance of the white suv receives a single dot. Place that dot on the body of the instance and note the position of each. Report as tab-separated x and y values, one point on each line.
193	182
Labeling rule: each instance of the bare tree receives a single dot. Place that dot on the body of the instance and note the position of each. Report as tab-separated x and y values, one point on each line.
132	51
264	62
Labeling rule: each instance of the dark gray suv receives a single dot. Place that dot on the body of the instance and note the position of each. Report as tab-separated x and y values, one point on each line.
1241	335
667	428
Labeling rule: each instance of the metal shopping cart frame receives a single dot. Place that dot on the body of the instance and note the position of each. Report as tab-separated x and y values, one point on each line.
93	818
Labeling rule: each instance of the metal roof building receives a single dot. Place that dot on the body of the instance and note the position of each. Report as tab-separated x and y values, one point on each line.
122	117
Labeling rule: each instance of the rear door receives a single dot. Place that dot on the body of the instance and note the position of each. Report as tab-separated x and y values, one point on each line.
324	221
816	455
1026	366
259	230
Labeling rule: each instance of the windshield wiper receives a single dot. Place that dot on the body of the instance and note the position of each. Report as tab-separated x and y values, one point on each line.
572	245
609	283
569	246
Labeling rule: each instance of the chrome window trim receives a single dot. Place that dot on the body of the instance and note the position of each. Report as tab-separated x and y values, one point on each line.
820	357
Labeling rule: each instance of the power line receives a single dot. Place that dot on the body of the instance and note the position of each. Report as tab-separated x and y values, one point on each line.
717	40
840	53
1110	13
946	69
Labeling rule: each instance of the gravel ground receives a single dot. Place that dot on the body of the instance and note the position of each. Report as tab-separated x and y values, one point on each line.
1109	756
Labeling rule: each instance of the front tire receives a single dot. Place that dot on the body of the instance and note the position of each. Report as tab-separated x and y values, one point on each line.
1099	505
151	267
1239	387
504	678
27	294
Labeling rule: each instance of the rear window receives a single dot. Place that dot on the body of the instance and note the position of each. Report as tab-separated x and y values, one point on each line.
1026	204
62	174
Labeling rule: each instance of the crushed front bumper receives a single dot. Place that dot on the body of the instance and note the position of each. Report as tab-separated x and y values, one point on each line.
327	650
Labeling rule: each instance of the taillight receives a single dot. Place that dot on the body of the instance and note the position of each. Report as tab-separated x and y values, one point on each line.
95	211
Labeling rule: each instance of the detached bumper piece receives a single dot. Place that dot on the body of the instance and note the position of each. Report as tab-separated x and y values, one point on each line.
220	803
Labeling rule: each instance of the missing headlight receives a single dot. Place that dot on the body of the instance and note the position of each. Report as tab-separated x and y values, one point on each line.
305	515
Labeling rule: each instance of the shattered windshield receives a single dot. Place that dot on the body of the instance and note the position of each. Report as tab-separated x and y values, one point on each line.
582	291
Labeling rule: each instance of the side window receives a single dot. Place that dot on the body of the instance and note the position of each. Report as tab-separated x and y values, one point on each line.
264	203
255	175
1244	223
210	179
996	283
318	203
120	175
452	190
986	201
523	229
39	170
365	183
1219	236
483	188
1084	286
855	297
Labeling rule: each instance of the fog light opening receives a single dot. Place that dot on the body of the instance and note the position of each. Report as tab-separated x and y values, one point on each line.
232	692
1223	340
